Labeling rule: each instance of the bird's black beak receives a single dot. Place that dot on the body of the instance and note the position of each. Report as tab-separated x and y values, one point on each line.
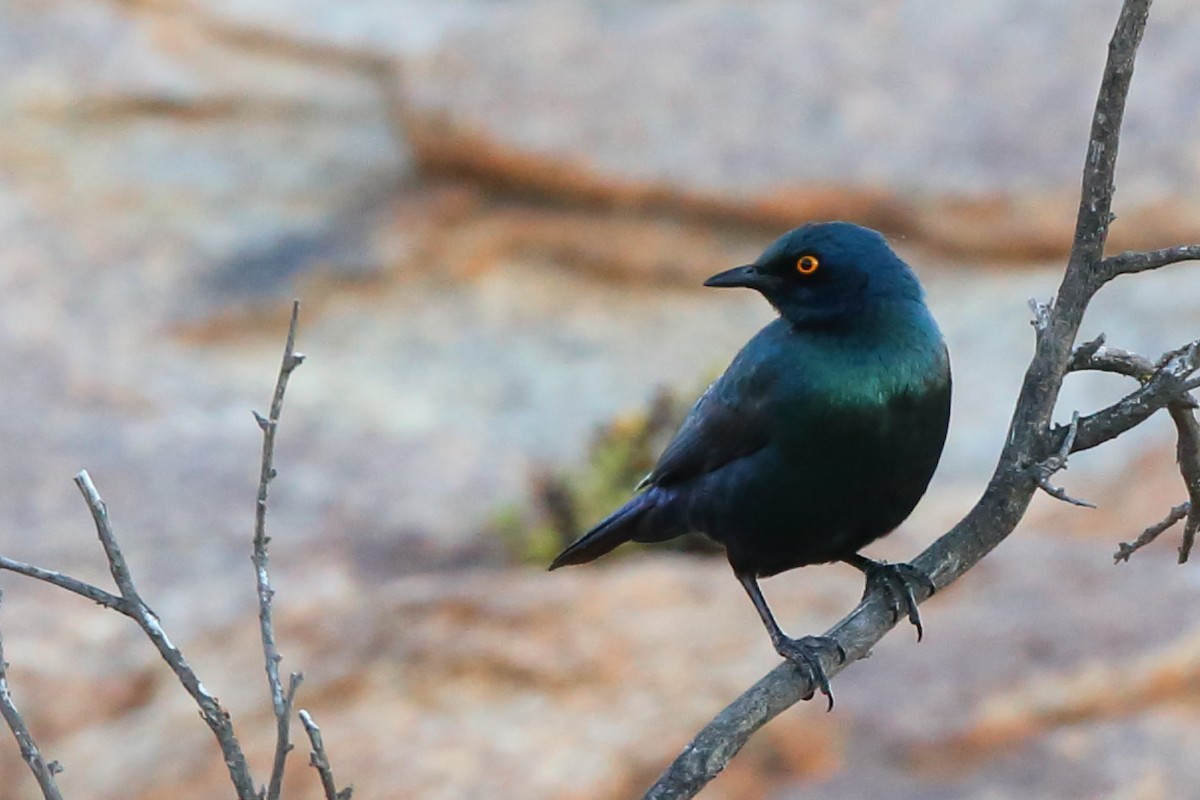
747	276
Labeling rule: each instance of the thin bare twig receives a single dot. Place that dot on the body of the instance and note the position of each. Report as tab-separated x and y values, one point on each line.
1126	549
130	603
1187	455
1167	384
81	588
1011	488
1096	356
283	745
1130	262
136	609
1047	467
281	701
1175	365
1086	351
320	761
43	771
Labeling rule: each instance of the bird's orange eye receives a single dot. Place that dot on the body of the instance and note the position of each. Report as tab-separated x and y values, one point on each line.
807	265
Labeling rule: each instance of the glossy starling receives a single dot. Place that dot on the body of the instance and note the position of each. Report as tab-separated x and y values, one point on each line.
820	437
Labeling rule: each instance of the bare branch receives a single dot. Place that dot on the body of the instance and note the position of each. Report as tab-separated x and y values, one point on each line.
1085	351
130	604
112	551
1044	469
1168	383
281	702
42	770
1130	262
1011	488
1095	203
1187	455
211	711
1126	549
1095	356
81	588
320	761
283	744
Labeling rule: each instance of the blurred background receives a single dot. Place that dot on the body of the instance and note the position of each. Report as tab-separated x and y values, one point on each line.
497	215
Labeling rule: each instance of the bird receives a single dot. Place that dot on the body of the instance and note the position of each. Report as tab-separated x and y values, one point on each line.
819	438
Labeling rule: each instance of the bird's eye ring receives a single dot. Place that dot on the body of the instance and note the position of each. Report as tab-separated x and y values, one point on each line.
807	265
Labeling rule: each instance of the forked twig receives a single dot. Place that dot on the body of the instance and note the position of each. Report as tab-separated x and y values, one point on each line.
1126	549
130	603
135	608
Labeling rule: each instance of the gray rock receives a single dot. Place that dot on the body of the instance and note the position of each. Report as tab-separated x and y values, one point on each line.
920	96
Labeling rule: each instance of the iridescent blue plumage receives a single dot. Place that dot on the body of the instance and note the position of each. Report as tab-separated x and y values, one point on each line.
822	434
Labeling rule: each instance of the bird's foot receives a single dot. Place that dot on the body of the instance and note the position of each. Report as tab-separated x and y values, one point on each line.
897	582
805	653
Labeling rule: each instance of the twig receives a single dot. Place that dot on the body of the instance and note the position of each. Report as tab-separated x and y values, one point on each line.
1130	262
1095	356
1041	316
283	745
1047	467
281	701
1168	384
320	761
1011	488
81	588
42	770
1126	549
136	609
1187	455
1085	351
130	603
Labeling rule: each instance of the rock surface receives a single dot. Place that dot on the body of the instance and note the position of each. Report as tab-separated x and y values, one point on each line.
495	214
585	683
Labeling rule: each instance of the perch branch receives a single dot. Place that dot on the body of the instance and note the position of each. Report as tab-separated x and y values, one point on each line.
1011	488
42	770
320	761
281	701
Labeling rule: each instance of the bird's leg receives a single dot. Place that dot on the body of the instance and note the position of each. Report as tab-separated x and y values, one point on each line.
805	652
897	581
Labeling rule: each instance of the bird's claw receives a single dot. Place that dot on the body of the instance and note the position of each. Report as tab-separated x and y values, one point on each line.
805	653
897	581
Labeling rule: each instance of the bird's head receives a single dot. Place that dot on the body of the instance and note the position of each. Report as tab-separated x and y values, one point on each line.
826	272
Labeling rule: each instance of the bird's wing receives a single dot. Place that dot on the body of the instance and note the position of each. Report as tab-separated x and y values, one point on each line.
727	423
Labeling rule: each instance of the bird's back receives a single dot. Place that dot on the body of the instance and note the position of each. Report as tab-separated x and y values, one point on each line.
825	430
844	430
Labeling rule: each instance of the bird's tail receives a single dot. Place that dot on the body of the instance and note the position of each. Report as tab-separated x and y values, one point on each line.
626	524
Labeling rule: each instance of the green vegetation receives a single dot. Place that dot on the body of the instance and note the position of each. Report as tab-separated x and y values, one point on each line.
562	505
